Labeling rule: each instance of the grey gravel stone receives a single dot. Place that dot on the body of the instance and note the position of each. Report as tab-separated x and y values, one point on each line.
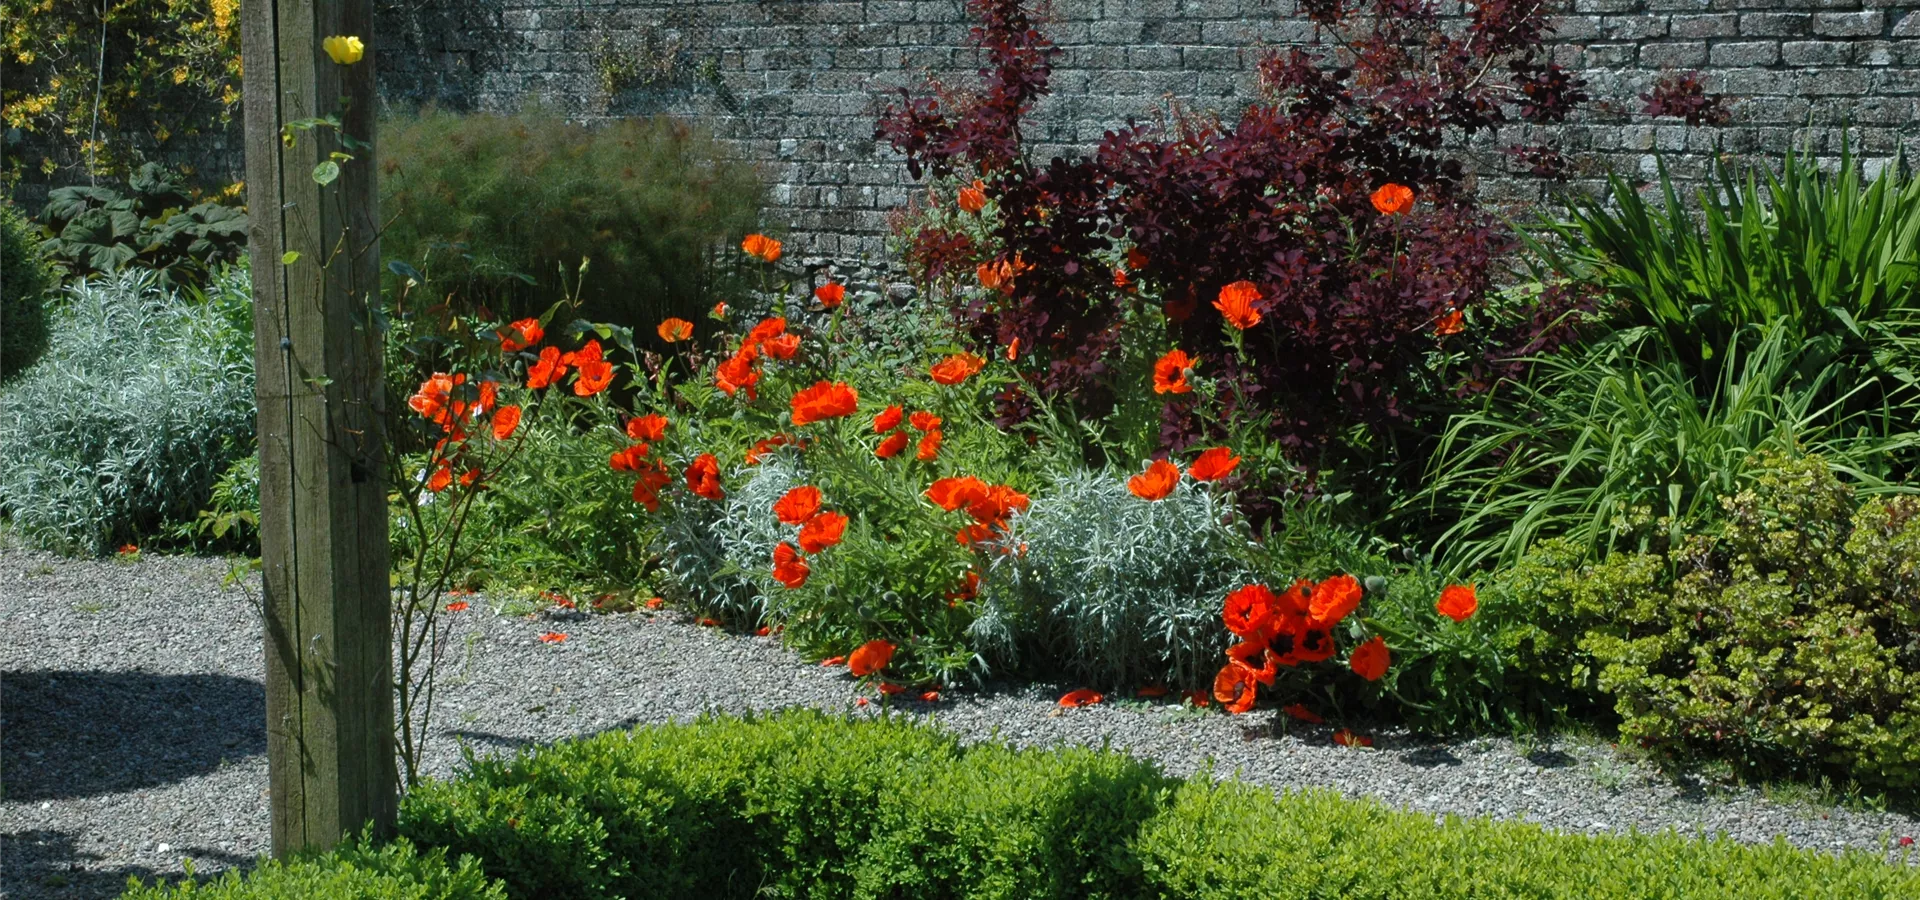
132	737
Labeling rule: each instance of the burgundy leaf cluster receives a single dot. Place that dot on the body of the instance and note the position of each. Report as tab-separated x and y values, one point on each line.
1353	300
1682	96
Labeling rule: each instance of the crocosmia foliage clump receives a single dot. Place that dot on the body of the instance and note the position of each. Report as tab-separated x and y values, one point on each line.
1315	250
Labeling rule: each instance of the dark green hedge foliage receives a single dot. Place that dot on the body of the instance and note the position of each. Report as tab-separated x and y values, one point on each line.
801	804
25	283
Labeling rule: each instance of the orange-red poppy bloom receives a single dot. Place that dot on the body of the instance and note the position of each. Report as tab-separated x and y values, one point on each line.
553	637
797	505
1013	350
551	367
708	622
703	477
1080	697
1457	602
1301	712
870	657
1453	322
1346	738
767	330
929	449
831	294
1213	464
595	372
887	419
1120	279
761	247
631	459
646	491
1249	609
924	421
762	631
890	689
892	446
999	275
1236	304
673	330
738	372
1234	687
505	422
834	661
952	493
973	534
520	335
457	606
822	531
1370	660
468	477
656	602
441	479
650	427
789	567
783	347
1297	598
719	310
762	447
824	401
1170	372
973	197
1156	482
956	368
1334	600
1393	199
930	697
489	393
996	503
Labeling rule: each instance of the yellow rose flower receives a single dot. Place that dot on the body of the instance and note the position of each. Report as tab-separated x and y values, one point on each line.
345	49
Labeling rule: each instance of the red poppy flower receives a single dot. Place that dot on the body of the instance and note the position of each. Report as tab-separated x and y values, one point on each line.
719	310
595	373
929	446
703	477
892	446
1393	199
969	588
1297	598
505	422
431	401
1370	660
824	401
650	427
1156	482
1170	372
440	479
675	330
952	493
972	198
762	447
1013	350
1120	279
457	606
489	392
656	602
1081	697
860	701
1151	691
1314	644
822	531
1453	322
830	294
767	330
956	368
1234	687
924	421
783	347
1236	304
761	247
632	459
797	505
1334	600
1213	464
789	568
834	661
1346	738
889	688
1250	609
1196	698
738	372
930	697
1136	258
520	335
887	419
553	637
551	367
468	477
973	534
1457	602
871	657
1301	712
996	503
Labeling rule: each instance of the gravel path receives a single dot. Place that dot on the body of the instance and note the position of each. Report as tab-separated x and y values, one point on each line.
132	737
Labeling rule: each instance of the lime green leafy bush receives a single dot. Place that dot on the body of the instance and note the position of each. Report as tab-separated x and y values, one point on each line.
23	294
489	209
1786	642
360	871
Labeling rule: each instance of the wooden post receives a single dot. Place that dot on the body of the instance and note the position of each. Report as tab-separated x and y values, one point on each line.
323	508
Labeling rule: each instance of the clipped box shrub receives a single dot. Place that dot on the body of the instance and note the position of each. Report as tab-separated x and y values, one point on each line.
492	208
143	400
23	294
359	871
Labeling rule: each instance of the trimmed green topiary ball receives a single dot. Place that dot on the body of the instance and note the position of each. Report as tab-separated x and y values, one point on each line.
25	282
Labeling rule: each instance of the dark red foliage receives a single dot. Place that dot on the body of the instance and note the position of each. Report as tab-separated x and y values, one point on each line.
1279	196
1682	96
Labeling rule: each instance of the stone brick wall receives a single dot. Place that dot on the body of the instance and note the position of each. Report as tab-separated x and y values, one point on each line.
795	84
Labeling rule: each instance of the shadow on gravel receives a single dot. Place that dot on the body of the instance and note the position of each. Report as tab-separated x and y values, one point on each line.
80	734
48	865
